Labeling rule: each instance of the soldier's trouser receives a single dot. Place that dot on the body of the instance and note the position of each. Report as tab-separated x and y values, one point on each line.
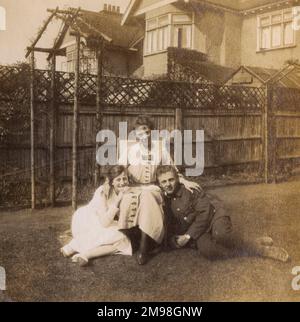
221	242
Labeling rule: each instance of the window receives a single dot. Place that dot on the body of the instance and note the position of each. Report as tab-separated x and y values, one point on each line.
183	36
182	31
168	30
163	33
275	30
87	61
157	34
71	56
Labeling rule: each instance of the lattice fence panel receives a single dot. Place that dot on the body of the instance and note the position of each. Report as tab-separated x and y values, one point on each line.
65	87
14	83
286	99
88	88
42	85
118	91
124	92
240	98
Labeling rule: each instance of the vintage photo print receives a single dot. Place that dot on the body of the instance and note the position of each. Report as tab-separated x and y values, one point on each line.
149	152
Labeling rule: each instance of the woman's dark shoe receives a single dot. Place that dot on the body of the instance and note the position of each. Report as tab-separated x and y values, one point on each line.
141	258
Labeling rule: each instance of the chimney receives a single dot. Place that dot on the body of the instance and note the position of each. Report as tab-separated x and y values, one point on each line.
111	8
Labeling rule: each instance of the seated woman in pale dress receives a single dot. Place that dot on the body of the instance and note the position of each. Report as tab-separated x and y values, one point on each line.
144	189
94	227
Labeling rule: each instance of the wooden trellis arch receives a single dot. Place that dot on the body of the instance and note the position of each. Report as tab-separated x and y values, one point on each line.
70	18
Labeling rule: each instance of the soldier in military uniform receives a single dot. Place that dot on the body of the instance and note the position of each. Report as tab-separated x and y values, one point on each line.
193	220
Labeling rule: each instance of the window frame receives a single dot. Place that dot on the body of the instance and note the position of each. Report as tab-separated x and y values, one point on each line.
282	23
189	35
153	28
71	56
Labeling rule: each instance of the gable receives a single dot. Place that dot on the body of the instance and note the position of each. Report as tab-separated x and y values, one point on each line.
147	5
288	76
139	7
109	25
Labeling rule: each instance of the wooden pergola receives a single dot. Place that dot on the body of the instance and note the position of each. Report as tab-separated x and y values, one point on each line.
71	18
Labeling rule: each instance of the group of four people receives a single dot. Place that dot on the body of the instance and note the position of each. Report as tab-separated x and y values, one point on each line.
149	206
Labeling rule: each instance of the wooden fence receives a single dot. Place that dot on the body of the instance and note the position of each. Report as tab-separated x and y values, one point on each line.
250	131
284	131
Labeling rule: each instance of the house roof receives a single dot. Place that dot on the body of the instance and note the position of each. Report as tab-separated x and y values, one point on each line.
238	6
109	24
288	76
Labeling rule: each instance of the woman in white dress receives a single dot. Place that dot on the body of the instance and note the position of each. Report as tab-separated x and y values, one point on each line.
95	228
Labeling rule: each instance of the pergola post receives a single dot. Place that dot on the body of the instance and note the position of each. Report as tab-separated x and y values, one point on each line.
52	137
32	132
179	119
99	116
53	52
269	137
75	126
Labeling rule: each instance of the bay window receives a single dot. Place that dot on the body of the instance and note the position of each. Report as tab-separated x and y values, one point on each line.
168	30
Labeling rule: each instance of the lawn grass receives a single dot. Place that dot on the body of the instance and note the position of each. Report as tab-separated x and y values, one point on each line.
36	271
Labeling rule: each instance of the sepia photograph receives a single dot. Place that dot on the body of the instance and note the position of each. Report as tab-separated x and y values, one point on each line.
149	152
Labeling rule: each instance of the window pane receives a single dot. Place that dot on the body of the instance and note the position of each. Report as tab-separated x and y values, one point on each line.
163	37
69	57
181	18
151	24
265	21
276	18
276	35
71	66
183	36
166	38
149	41
287	15
288	34
188	37
154	41
176	32
160	39
265	38
163	21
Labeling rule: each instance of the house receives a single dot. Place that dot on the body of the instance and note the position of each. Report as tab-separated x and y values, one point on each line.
123	53
256	33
